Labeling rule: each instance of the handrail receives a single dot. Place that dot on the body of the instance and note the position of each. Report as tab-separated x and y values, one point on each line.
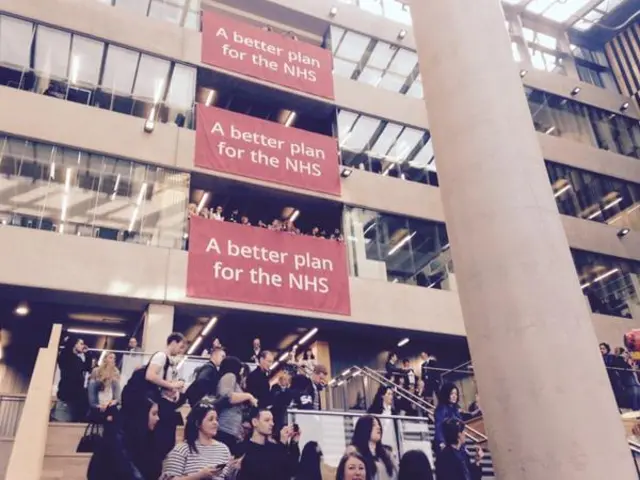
27	456
471	433
455	369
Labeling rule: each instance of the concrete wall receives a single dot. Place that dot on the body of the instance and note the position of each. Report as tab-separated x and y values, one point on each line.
130	271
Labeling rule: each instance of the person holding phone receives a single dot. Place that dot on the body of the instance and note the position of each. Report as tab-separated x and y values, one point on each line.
200	456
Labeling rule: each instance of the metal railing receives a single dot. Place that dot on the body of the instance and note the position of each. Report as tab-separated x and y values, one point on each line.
10	412
419	403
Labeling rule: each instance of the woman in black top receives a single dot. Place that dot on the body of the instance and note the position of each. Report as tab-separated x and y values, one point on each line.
310	461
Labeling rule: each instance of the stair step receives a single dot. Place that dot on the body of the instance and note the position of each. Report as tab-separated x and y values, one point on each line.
67	467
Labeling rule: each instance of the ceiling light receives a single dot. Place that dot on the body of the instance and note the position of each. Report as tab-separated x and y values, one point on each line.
399	245
333	12
624	107
290	119
607	274
90	331
550	130
401	34
209	326
210	98
575	91
345	172
194	345
523	72
202	202
294	216
274	365
149	125
623	232
22	310
403	342
308	336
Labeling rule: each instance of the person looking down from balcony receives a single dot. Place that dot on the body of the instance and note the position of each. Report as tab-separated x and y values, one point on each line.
448	408
367	441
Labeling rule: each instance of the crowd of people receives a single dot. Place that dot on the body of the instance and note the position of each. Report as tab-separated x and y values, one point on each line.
218	213
237	425
622	371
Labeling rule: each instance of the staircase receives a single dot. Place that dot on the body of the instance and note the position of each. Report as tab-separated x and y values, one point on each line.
61	462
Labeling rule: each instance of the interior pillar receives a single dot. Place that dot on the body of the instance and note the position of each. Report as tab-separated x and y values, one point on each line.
158	325
549	410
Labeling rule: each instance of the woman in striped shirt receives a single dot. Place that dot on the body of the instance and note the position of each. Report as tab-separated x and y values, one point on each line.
200	456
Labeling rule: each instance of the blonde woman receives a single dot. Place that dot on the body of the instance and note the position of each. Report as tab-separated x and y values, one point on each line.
104	390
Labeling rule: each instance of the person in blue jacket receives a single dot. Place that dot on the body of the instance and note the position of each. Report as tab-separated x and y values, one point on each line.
447	408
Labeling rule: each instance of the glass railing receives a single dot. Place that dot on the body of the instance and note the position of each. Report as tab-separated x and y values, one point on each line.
561	117
64	190
10	412
184	13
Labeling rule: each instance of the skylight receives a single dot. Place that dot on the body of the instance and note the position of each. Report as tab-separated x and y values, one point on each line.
579	14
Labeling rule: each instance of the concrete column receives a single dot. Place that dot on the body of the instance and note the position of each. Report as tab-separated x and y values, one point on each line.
548	405
158	325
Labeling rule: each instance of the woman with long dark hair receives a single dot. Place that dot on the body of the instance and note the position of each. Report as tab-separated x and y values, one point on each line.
129	453
353	467
415	465
367	441
309	467
232	399
200	456
447	408
383	402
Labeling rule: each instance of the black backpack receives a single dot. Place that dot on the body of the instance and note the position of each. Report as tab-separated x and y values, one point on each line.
138	387
199	387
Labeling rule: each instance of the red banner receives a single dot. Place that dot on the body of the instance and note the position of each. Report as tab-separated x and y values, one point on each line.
234	143
248	50
237	263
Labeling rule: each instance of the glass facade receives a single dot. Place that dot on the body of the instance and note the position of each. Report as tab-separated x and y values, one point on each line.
595	197
561	117
185	13
386	148
375	62
593	67
76	68
544	53
398	249
611	285
63	190
391	9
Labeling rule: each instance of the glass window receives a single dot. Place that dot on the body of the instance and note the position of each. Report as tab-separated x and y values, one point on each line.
151	80
79	193
386	148
52	52
120	69
167	10
86	60
609	284
182	88
595	197
398	249
15	42
136	6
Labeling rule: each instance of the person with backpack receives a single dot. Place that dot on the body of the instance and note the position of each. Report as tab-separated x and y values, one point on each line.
205	383
159	378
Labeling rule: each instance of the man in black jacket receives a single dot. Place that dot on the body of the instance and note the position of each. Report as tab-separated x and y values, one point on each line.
453	461
206	378
265	458
258	380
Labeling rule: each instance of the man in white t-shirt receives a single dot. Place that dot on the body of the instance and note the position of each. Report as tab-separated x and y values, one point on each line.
163	372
